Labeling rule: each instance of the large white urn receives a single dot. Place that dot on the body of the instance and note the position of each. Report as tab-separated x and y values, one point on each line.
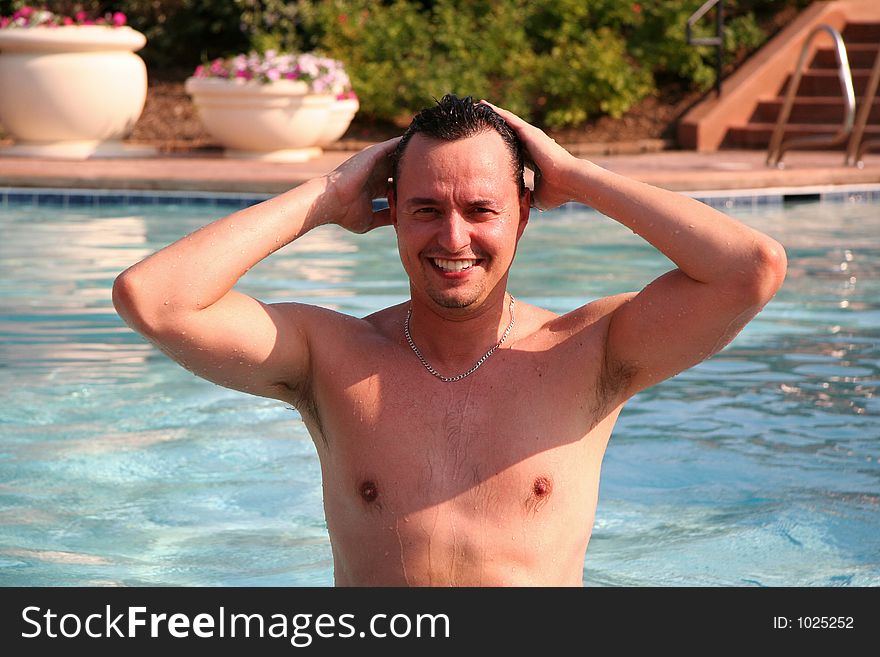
281	121
341	114
71	92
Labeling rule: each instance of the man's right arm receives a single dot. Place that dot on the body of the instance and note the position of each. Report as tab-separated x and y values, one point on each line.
181	297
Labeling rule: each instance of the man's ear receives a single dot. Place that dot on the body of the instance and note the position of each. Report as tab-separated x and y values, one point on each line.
392	205
525	206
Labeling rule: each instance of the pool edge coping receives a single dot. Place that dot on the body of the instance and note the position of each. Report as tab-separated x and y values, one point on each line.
90	197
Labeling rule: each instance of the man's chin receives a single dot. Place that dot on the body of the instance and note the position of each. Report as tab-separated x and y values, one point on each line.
453	300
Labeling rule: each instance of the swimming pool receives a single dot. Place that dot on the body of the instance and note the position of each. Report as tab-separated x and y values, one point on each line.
760	466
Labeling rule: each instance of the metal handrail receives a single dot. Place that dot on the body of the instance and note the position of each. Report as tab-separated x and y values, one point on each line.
857	148
717	40
777	147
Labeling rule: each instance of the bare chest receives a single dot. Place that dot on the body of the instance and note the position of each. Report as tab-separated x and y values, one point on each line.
517	433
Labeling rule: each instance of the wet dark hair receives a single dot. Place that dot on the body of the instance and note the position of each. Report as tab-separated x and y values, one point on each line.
454	118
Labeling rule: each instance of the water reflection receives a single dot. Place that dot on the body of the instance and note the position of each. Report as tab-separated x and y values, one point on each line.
760	466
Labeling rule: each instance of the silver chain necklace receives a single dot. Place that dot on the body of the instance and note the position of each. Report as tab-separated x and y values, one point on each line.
483	358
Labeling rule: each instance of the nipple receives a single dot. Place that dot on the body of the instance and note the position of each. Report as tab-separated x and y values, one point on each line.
369	491
541	487
539	493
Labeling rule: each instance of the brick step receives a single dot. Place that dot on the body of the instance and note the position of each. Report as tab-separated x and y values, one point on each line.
861	33
757	135
817	109
824	82
860	55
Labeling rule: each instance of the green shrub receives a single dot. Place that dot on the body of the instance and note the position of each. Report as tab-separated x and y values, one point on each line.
270	24
579	79
743	34
582	68
180	33
541	59
385	49
401	56
554	62
659	41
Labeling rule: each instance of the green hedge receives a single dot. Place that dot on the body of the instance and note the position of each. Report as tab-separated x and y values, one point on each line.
556	62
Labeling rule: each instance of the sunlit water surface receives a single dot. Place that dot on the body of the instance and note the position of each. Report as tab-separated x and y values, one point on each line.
759	467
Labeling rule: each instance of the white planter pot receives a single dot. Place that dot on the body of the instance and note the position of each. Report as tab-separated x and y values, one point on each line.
71	92
341	114
279	121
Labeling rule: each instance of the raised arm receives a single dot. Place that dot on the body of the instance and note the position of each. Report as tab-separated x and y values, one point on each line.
726	272
181	297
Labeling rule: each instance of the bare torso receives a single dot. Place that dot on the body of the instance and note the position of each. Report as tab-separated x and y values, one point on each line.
491	480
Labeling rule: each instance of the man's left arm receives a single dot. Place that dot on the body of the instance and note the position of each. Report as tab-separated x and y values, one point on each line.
726	271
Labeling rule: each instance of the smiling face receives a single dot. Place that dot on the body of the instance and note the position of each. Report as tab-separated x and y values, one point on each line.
458	215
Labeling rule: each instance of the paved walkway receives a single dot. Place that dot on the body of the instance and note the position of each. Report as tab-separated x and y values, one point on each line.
676	170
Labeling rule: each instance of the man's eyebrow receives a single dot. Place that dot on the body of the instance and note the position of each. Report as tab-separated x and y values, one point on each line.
427	200
421	200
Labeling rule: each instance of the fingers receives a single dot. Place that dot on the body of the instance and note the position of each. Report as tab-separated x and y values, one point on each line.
381	218
383	148
503	112
515	121
373	155
389	144
371	167
383	151
494	107
368	220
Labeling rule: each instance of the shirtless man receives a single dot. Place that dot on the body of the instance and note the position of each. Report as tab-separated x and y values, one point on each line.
490	478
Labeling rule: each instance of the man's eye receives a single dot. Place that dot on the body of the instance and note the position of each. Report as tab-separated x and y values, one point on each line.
425	210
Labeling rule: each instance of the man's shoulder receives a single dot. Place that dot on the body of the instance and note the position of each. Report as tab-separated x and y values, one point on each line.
321	322
590	314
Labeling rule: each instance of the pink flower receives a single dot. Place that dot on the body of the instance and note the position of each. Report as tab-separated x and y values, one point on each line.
321	74
29	16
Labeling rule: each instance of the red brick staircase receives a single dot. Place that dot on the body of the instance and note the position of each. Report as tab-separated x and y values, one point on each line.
744	115
819	106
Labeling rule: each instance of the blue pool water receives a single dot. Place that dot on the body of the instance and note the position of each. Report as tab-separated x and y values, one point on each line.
759	467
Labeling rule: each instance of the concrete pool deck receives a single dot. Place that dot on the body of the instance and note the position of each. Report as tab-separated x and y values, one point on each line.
685	171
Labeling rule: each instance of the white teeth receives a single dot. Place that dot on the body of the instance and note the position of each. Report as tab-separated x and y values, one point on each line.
454	265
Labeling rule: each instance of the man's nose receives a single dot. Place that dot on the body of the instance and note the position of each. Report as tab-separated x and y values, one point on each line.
454	233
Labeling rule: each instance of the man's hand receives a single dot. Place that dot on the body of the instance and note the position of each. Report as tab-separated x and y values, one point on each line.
352	186
546	158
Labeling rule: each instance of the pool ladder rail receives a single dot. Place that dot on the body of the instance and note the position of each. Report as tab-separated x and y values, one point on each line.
852	127
857	148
